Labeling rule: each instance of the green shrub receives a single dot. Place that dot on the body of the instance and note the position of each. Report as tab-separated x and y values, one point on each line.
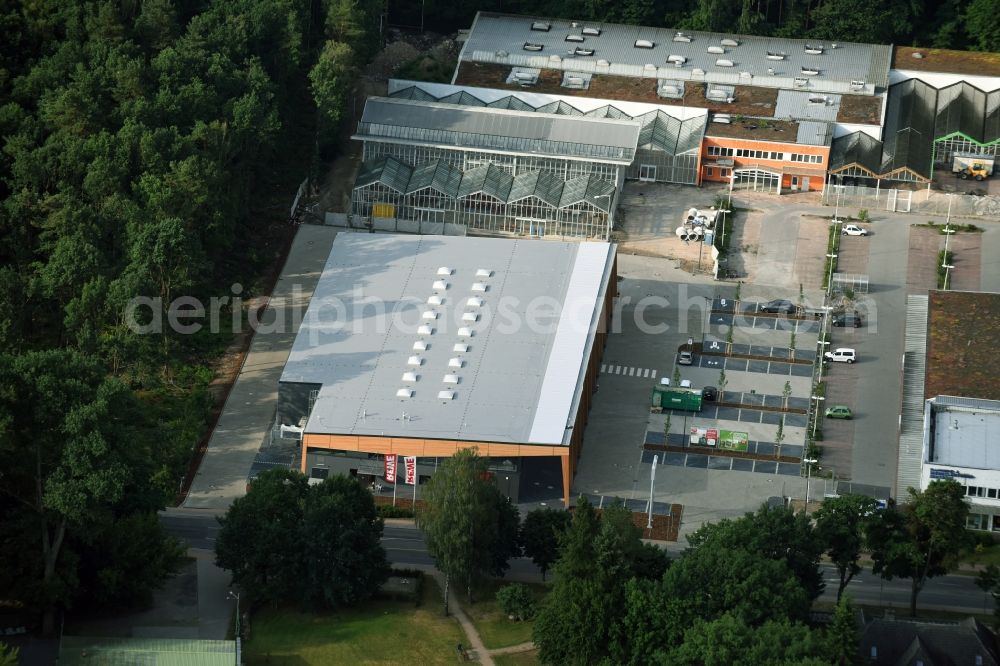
516	601
390	511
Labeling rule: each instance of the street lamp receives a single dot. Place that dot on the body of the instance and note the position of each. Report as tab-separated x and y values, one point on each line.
818	399
236	595
809	463
947	268
836	211
829	279
652	476
608	197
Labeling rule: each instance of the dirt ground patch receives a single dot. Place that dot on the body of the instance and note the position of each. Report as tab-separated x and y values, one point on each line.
967	260
921	263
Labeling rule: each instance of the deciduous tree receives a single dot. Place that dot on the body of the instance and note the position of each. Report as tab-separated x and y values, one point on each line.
540	534
923	538
842	527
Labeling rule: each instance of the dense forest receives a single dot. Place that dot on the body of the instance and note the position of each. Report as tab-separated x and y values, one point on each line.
150	148
953	24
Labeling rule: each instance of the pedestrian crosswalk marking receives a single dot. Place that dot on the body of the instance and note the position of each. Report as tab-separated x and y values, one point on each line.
628	371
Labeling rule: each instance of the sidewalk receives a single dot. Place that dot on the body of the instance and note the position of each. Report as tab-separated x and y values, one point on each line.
249	409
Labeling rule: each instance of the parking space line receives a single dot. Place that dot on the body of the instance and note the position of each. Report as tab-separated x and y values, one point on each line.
654	374
646	374
603	366
631	371
618	369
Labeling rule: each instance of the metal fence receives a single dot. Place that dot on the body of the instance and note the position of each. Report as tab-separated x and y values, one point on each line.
922	201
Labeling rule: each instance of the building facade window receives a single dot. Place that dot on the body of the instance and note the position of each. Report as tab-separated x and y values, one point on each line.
709	171
647	172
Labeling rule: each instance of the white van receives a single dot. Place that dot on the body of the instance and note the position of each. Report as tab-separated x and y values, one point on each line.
841	355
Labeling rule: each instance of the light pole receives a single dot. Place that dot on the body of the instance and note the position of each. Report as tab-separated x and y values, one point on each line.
836	210
607	235
818	399
829	279
236	595
809	463
652	476
948	231
823	342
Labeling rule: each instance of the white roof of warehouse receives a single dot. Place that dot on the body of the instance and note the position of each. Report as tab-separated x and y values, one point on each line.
500	38
516	384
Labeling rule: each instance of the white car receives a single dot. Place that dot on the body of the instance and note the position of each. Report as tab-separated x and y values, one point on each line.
854	230
842	355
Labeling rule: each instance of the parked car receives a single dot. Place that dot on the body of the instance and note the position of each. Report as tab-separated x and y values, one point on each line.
848	320
710	394
685	358
839	412
779	306
841	355
854	230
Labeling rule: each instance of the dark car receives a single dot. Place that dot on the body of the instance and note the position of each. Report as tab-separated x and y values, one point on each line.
848	320
779	306
710	393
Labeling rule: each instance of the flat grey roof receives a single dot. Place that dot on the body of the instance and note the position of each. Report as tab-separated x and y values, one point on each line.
472	127
501	38
966	433
518	380
799	105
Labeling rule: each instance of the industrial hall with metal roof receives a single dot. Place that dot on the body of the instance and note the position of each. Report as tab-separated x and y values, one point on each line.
424	345
545	119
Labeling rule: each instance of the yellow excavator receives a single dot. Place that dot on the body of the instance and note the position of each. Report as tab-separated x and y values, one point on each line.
968	165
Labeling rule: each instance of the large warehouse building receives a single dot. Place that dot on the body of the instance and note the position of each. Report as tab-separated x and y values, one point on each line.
424	345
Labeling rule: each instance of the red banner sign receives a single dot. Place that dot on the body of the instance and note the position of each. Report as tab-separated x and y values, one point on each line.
410	465
390	467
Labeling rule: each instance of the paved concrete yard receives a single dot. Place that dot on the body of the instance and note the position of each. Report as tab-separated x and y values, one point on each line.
249	411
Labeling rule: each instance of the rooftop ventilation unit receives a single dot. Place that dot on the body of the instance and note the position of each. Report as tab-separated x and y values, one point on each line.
723	118
528	46
814	50
649	67
817	99
581	52
409	376
424	329
446	395
478	286
525	78
800	82
439	285
474	302
917	54
716	49
484	272
450	379
415	360
430	314
541	26
603	63
555	58
444	270
697	71
574	38
676	58
723	62
731	43
809	71
460	347
681	37
404	393
419	345
470	316
434	300
644	44
455	362
593	32
775	55
770	71
746	75
465	332
857	85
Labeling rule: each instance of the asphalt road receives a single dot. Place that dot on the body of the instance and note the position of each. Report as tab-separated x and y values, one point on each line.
404	545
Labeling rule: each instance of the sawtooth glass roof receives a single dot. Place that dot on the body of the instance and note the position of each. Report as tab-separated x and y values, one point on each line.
491	180
479	128
856	149
659	129
628	50
517	383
